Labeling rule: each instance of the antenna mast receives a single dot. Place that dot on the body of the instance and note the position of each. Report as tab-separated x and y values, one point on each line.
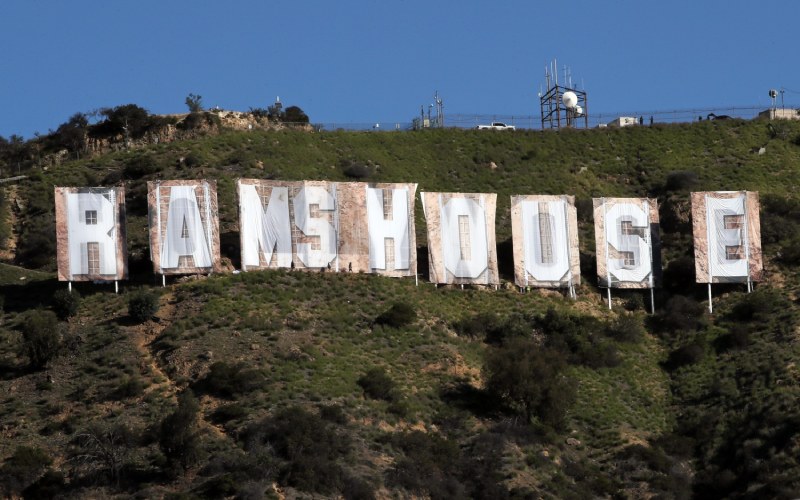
562	105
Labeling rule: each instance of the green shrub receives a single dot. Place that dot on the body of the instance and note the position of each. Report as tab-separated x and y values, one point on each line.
478	325
528	377
41	339
400	314
140	166
179	439
142	305
377	384
22	468
680	181
229	380
689	354
681	314
627	328
130	387
226	413
310	448
357	171
66	303
429	466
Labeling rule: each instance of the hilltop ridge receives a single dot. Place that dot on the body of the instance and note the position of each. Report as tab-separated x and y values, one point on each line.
284	383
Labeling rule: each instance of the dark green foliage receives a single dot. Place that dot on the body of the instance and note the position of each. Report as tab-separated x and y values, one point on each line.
41	338
128	120
130	387
428	467
293	114
679	275
37	243
737	338
529	378
688	354
72	134
627	328
50	485
377	384
479	326
310	447
142	305
580	338
22	468
178	435
140	166
5	227
333	413
400	314
680	181
760	306
198	121
103	449
681	314
226	413
229	380
195	103
357	171
66	303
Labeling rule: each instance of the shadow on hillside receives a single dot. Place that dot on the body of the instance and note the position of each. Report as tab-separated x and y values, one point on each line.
505	260
30	295
231	247
423	263
466	396
10	370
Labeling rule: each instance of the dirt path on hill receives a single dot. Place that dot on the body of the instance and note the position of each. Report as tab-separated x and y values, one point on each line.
143	337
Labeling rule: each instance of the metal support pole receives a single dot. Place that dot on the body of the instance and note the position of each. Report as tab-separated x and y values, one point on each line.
609	298
652	302
710	305
163	281
69	287
416	280
116	286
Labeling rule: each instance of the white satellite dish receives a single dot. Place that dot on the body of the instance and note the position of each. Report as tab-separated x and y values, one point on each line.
569	99
578	110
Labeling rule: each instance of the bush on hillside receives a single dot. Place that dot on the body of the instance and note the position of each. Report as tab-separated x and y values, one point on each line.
689	354
626	328
41	338
681	314
230	380
178	437
66	303
21	469
142	305
529	378
400	314
377	384
680	181
36	247
311	449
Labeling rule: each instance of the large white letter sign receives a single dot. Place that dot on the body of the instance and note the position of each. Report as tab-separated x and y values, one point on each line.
624	234
389	242
318	247
461	238
184	229
265	228
545	241
90	236
727	236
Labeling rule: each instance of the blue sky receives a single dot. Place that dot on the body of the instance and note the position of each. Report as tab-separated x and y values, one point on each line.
378	61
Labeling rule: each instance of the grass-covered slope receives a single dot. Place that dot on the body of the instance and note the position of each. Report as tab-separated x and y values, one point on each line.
279	382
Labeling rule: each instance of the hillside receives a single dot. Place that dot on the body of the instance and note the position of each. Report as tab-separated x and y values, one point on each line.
279	383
